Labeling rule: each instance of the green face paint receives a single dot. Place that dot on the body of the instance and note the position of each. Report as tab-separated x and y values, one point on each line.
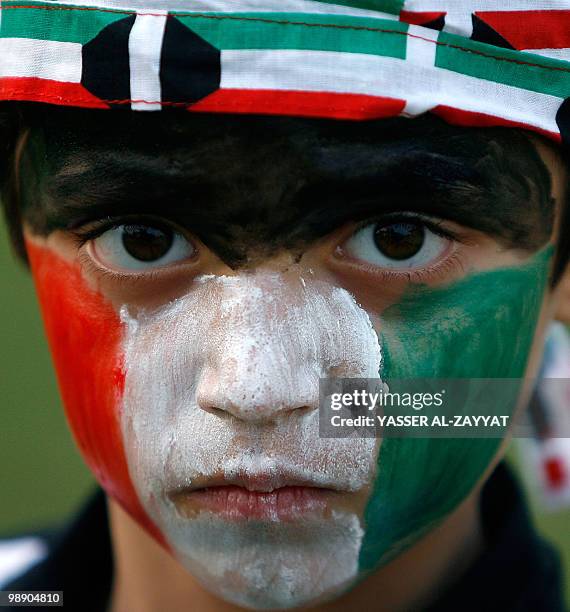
479	327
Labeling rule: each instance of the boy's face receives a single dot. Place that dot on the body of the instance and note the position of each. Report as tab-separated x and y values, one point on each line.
198	276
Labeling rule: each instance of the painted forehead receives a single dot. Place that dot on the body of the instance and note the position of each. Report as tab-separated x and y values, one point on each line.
259	184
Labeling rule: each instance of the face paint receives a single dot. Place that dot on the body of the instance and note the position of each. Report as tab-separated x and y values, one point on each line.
232	397
479	327
220	386
210	396
84	334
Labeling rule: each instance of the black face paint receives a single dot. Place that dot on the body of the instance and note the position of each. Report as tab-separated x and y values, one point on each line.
251	186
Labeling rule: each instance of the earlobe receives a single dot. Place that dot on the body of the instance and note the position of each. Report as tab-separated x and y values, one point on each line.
562	312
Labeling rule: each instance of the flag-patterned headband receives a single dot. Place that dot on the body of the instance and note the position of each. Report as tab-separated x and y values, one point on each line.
472	62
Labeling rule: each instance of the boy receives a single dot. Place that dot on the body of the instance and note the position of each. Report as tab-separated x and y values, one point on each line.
198	275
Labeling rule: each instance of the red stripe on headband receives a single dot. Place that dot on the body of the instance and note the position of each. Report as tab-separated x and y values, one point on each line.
300	103
419	18
531	29
32	89
456	116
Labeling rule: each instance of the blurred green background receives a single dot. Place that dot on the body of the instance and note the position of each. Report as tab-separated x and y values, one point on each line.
43	477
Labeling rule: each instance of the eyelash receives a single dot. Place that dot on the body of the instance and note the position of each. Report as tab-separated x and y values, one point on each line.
436	226
98	227
433	273
440	269
89	267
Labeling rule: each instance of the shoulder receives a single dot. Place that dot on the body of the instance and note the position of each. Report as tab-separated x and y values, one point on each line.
518	571
75	558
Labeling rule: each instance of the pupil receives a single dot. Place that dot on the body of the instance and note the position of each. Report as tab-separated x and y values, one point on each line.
399	240
146	243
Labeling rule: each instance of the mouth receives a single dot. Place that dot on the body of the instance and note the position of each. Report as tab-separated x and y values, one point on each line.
262	497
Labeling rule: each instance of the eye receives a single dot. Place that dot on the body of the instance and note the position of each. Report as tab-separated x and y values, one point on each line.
404	244
139	247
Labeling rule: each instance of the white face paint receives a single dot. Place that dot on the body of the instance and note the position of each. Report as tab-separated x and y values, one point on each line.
222	386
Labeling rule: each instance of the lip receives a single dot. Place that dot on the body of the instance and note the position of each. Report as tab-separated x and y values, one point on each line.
264	497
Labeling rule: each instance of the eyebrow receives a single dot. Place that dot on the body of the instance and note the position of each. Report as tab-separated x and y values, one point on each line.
311	197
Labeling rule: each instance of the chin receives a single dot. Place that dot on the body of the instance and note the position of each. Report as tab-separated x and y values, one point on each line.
265	565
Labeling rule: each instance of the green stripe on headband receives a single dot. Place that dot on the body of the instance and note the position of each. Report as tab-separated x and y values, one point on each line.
383	6
36	21
524	71
301	31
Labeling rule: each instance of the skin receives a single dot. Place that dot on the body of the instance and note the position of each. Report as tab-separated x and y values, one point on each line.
290	203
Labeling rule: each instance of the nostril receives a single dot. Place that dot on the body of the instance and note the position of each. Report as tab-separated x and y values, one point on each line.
285	413
257	413
258	400
223	414
301	410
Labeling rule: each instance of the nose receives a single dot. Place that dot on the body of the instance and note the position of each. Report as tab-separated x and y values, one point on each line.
271	340
261	365
255	390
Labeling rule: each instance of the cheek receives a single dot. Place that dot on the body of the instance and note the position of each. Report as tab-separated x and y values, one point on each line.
478	328
85	336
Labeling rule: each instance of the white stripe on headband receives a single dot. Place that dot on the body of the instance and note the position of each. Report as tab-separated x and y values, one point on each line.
145	46
44	59
229	6
379	76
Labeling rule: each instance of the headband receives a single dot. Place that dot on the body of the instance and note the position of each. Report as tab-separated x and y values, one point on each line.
472	62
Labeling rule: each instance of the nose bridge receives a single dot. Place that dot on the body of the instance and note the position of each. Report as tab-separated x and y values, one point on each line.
275	336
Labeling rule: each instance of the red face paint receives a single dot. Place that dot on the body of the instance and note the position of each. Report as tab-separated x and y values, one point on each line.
84	333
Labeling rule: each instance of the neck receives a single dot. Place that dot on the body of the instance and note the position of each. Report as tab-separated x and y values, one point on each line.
148	579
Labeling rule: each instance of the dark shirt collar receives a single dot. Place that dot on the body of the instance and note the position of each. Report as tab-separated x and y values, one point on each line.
518	572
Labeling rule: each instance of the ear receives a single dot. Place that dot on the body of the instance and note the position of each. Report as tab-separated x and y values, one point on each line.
562	312
10	126
11	136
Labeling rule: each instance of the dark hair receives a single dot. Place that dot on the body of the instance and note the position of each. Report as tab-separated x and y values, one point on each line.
18	119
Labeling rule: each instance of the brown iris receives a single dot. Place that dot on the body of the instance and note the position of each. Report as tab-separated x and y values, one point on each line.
400	240
147	243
